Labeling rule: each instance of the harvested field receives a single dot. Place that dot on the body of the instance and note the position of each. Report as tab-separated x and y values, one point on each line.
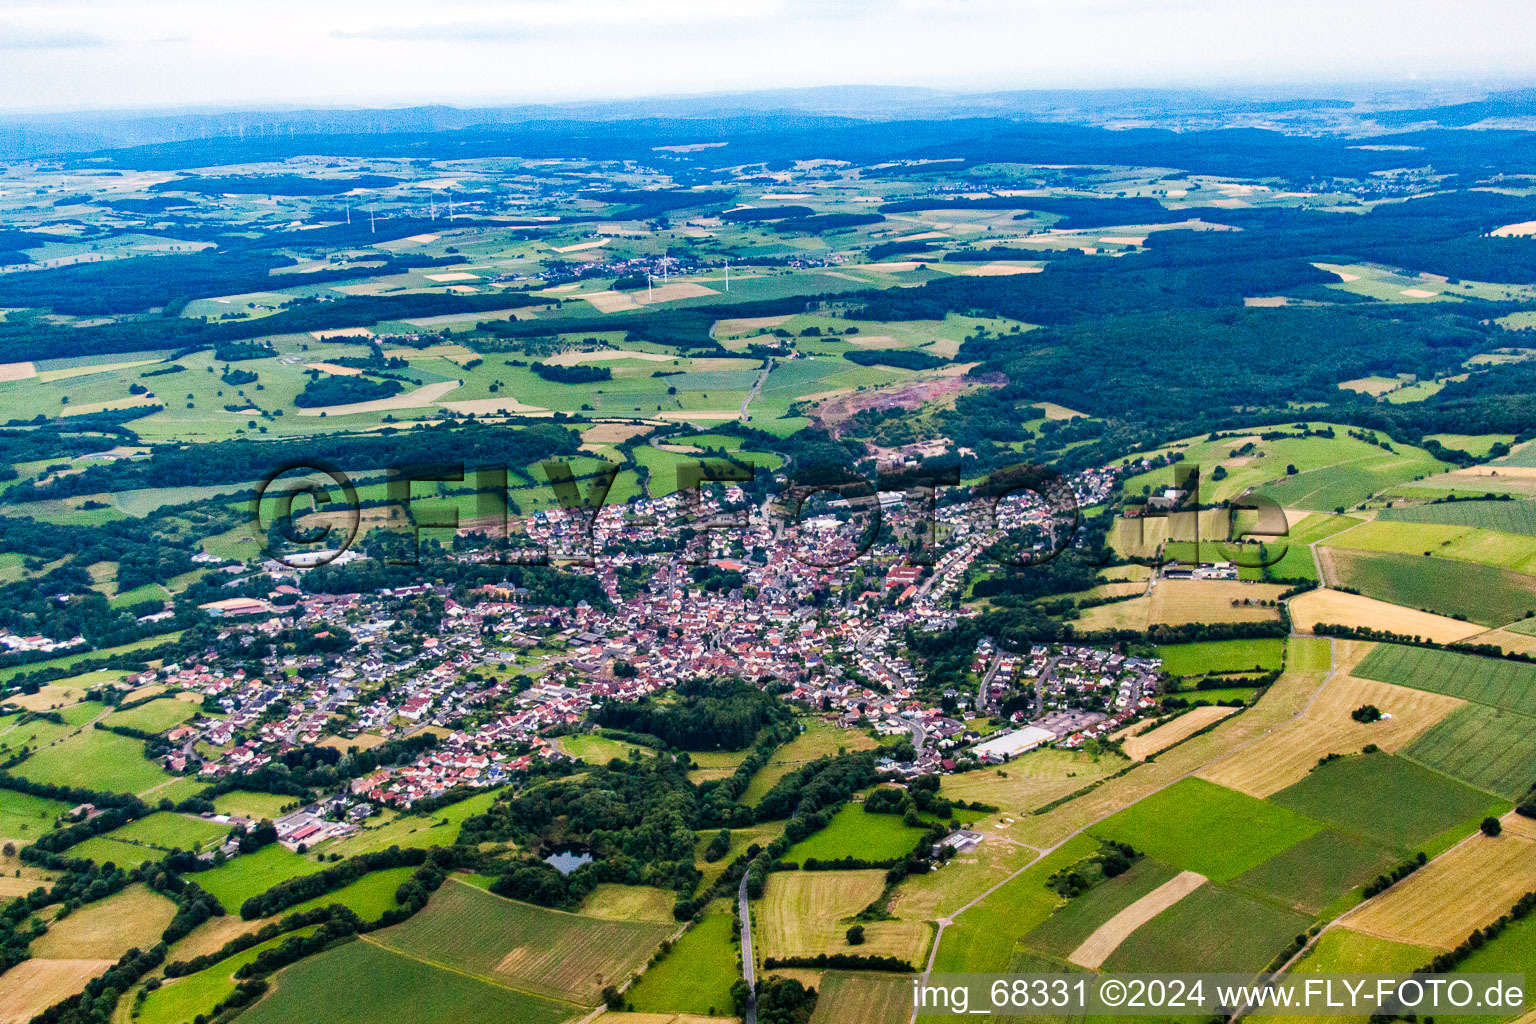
1001	270
1139	748
744	325
1109	935
572	358
17	371
486	406
1286	755
332	368
612	302
613	433
1307	662
34	985
1466	888
108	928
1179	601
803	913
1336	607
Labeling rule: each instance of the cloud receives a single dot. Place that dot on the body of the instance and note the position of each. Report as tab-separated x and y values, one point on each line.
13	37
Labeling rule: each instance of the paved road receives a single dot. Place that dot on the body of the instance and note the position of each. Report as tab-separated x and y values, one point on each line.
748	968
756	387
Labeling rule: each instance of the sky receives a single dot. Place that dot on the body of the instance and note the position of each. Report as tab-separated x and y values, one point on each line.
99	54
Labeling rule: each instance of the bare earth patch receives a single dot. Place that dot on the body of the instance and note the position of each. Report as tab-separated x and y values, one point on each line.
17	371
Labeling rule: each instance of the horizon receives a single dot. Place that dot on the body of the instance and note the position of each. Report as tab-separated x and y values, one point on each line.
88	56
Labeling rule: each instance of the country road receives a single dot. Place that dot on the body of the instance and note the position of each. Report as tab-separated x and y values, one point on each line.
748	968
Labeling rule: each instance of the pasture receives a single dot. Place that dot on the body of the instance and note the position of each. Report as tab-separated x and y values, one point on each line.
255	806
1198	826
629	903
803	913
1486	747
156	716
1502	684
1337	608
596	749
24	817
1345	951
545	952
741	840
368	897
1032	780
1465	888
1316	871
111	762
853	832
1213	928
963	878
1331	471
1483	594
106	929
167	830
696	976
362	982
1296	561
1384	798
181	999
251	874
1261	654
982	937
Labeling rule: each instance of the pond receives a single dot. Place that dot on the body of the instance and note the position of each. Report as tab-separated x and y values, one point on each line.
566	859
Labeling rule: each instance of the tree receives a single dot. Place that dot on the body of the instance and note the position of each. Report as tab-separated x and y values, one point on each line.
1491	826
1366	714
856	935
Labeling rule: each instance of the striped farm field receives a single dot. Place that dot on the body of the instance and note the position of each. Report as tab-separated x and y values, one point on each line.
34	985
545	952
1099	946
1479	593
1383	798
1316	871
1212	928
1492	681
1490	748
362	983
866	998
1517	517
1337	608
1443	540
1030	780
1083	916
1287	754
1442	902
803	913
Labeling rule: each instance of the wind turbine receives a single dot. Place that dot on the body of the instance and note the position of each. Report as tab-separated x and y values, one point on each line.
373	226
727	273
